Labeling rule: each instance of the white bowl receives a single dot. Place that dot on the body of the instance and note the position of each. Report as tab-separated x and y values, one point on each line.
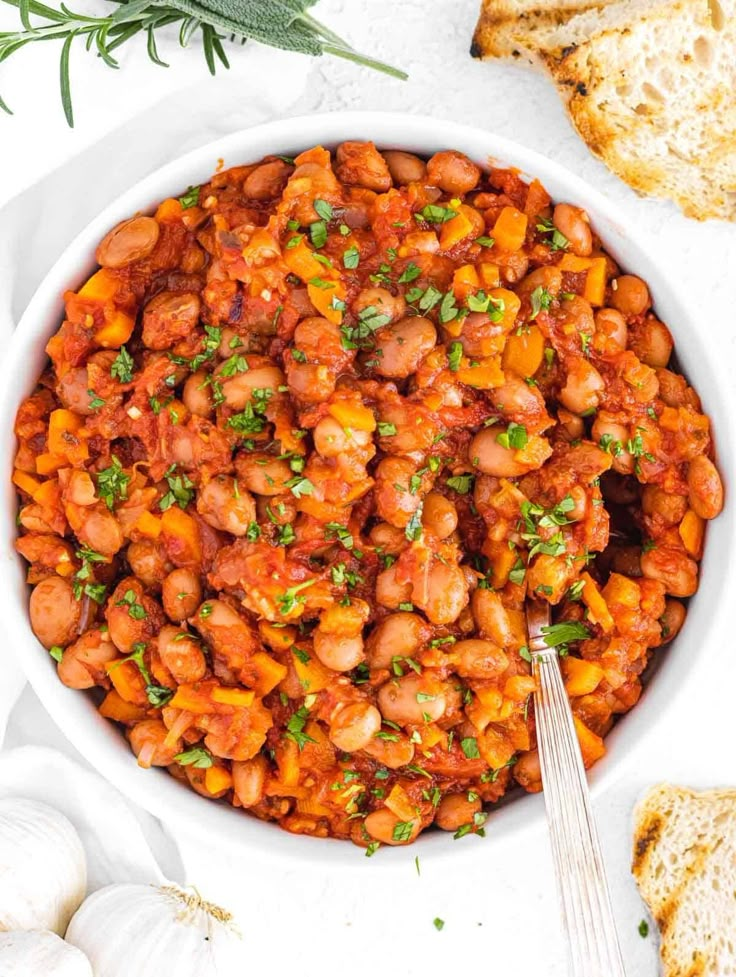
99	740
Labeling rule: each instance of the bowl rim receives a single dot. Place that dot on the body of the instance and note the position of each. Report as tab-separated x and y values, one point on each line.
157	791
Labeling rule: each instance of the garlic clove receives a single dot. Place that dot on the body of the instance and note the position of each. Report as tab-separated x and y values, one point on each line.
150	930
43	868
40	953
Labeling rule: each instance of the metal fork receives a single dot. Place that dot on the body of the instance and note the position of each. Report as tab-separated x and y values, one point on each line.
581	875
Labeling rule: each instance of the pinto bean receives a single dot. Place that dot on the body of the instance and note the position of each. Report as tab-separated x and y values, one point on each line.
672	620
453	172
169	317
354	726
148	742
398	635
439	515
181	654
267	180
630	295
129	241
361	165
673	568
380	299
456	810
705	489
573	222
409	699
181	593
382	824
479	659
400	348
82	665
55	614
226	505
249	777
404	167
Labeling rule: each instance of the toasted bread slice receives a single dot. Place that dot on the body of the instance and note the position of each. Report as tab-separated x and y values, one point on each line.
654	99
517	28
684	862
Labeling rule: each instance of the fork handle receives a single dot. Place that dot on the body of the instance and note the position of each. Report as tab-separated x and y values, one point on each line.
581	876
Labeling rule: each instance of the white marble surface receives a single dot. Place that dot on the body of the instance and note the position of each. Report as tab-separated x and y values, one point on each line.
499	908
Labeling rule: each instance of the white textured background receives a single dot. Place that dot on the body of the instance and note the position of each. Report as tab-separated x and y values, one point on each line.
499	908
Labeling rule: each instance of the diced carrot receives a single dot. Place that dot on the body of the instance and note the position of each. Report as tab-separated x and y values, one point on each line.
128	681
419	242
596	603
490	274
226	696
117	330
523	353
280	639
269	672
591	745
27	483
535	452
595	280
518	687
48	494
191	699
458	228
63	437
581	677
509	230
114	707
168	210
623	591
465	281
309	805
399	804
484	376
217	779
495	748
502	559
47	464
148	525
489	696
353	415
181	537
287	760
301	262
329	301
312	674
100	287
433	735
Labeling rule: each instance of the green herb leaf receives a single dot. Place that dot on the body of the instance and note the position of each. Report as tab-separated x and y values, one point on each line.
190	198
112	483
469	746
411	272
454	356
197	757
351	258
122	366
323	209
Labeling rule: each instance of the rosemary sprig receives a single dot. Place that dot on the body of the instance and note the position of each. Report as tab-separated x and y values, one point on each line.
284	24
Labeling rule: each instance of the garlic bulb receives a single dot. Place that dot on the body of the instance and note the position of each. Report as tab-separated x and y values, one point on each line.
43	868
40	953
151	931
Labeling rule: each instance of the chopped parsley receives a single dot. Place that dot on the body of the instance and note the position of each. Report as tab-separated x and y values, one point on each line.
438	923
411	272
198	757
413	529
291	597
540	299
469	746
454	356
360	336
295	728
300	486
130	600
190	198
351	258
122	366
561	634
402	831
514	437
461	483
557	240
56	652
112	483
436	214
181	490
